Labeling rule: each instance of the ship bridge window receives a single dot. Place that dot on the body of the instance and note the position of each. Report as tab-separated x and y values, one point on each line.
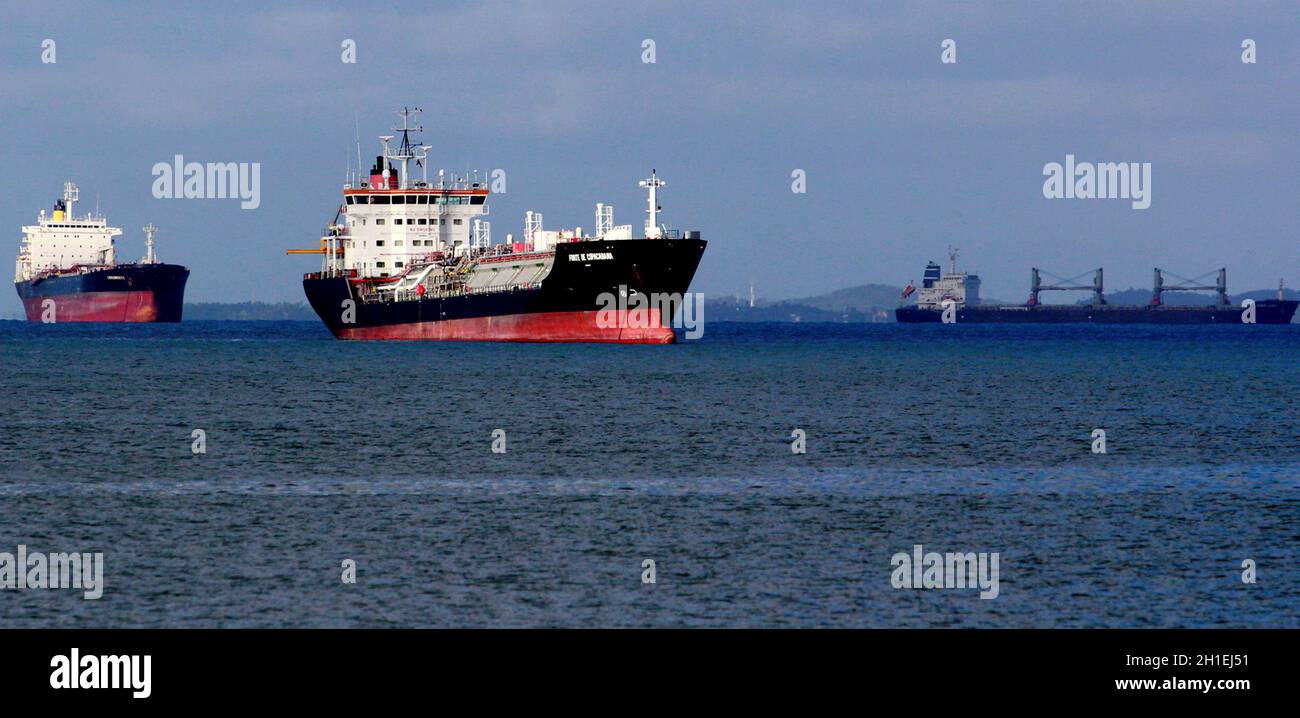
422	199
379	199
399	199
479	199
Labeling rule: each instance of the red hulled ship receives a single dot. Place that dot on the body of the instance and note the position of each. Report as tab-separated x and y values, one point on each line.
413	259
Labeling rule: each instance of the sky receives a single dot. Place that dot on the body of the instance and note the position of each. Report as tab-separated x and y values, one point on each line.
902	153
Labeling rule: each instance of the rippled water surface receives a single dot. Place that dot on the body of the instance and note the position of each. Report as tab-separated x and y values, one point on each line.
956	438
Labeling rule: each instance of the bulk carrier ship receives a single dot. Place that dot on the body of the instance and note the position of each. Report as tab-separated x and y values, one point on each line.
413	259
954	298
66	271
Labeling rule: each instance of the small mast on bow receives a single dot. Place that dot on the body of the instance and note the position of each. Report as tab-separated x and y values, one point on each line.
149	256
652	229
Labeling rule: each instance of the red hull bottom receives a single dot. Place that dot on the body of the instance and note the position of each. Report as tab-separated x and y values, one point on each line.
95	307
537	327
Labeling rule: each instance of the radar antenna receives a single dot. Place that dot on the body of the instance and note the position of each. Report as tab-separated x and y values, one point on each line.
405	150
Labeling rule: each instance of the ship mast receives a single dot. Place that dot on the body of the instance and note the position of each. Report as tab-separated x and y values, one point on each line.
652	221
70	195
405	151
149	257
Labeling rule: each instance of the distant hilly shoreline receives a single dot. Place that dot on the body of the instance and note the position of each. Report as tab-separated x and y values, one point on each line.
866	303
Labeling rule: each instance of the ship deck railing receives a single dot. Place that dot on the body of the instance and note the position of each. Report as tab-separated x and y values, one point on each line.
410	295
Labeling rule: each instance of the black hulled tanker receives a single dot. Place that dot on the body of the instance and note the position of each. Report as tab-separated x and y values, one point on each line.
566	304
408	258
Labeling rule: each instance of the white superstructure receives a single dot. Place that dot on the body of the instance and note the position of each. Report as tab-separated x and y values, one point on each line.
394	220
958	287
62	241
